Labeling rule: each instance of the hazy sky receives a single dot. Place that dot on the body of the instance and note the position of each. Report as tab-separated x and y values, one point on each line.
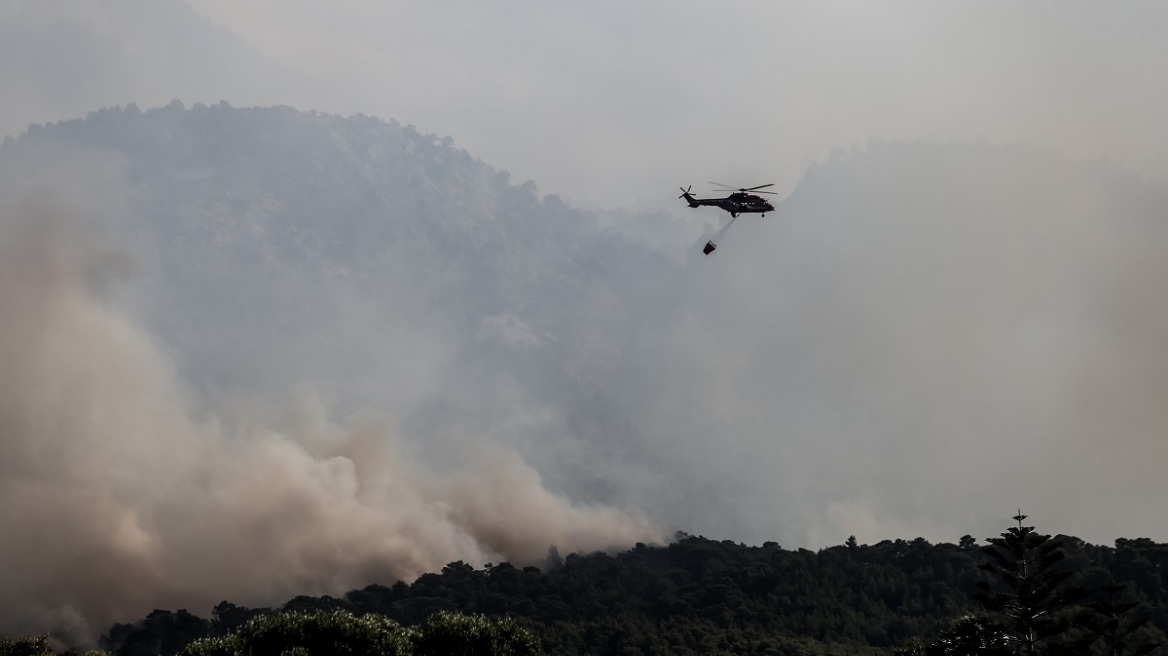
614	102
611	101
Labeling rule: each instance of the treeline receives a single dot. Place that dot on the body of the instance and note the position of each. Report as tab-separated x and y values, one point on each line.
704	596
693	596
1023	593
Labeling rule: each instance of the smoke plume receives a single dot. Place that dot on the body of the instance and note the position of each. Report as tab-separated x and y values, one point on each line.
117	497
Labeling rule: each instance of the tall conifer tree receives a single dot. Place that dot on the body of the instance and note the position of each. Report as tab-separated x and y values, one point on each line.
1027	587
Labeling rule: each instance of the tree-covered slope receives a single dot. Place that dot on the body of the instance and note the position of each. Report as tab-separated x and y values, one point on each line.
704	596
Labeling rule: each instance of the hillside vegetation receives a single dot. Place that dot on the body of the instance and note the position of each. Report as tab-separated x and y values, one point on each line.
700	596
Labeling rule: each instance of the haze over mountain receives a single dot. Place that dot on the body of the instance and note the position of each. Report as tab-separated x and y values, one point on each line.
257	352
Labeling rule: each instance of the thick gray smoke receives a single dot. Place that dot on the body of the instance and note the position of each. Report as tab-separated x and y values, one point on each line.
117	500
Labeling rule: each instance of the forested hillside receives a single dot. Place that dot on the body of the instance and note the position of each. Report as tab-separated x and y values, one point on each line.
700	596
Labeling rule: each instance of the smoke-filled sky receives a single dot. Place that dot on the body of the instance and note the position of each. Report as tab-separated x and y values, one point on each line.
617	101
917	344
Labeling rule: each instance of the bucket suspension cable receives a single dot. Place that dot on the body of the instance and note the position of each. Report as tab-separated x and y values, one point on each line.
718	235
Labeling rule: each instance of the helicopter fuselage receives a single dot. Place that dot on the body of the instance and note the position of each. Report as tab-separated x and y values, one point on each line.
735	204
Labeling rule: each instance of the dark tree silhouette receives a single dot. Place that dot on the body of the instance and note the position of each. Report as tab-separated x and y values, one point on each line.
1027	587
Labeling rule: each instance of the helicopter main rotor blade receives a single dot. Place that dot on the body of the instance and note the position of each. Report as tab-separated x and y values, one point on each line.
745	189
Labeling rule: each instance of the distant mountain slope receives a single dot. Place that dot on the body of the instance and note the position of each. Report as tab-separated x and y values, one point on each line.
291	215
910	304
922	334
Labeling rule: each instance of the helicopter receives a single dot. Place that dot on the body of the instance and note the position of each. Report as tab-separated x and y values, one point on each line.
741	201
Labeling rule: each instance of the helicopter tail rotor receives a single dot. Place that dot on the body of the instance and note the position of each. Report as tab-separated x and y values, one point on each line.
685	192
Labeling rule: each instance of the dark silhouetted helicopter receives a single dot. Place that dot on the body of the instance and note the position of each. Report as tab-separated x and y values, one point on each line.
739	202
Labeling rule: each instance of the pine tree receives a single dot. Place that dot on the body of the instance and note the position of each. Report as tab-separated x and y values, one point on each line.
1027	589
